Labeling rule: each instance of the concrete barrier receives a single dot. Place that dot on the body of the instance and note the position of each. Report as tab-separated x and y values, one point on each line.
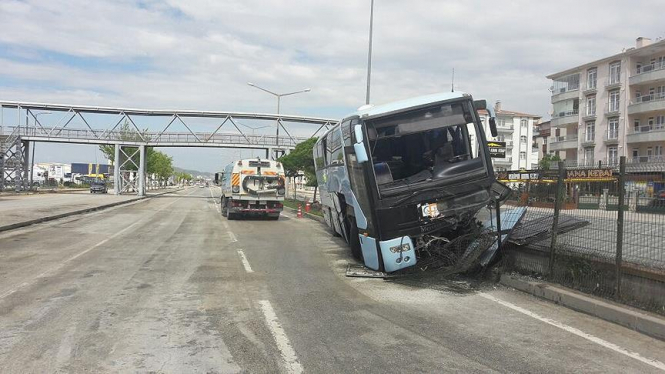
643	322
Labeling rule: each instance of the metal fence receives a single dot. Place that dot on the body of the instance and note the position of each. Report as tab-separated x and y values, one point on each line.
599	230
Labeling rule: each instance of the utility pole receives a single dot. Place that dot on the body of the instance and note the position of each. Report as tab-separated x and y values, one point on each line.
369	53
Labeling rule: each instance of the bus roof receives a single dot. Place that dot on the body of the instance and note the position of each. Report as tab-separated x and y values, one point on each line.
397	106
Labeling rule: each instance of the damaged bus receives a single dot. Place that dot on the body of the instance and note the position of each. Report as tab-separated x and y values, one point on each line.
391	176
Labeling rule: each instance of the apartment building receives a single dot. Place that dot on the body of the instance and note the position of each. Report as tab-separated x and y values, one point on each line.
516	129
611	107
541	133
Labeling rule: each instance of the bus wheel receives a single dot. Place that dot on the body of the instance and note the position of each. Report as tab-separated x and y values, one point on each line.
354	240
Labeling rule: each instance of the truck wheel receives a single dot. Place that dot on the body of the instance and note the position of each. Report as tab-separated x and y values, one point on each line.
223	207
354	240
230	216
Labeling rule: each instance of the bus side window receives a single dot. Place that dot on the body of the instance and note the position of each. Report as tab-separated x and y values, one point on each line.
346	133
320	155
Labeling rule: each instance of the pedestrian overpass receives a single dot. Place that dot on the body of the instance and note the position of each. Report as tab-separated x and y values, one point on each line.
18	138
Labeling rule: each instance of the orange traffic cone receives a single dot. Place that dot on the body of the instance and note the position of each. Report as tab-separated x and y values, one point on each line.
299	211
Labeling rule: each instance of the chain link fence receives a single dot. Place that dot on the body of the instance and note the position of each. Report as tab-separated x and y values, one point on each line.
600	230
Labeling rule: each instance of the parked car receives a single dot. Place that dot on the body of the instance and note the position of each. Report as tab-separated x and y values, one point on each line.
98	187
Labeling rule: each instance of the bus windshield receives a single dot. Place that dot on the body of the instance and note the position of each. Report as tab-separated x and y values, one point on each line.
423	145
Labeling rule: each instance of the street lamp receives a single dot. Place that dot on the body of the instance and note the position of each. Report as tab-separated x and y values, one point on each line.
279	97
253	128
369	53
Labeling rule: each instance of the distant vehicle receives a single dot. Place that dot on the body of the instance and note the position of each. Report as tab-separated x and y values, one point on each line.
393	177
252	187
98	186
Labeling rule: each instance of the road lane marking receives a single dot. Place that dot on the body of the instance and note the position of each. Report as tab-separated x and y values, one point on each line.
219	210
245	263
62	264
232	236
226	225
580	333
288	354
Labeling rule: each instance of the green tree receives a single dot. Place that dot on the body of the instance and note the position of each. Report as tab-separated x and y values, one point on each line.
301	160
545	163
127	133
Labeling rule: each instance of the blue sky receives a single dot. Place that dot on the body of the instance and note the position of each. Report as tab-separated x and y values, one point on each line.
199	54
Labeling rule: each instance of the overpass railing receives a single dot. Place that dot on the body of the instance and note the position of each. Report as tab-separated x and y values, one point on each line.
156	138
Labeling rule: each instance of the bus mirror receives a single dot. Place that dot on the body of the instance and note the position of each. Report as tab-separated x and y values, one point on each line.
480	104
216	178
358	129
493	127
361	153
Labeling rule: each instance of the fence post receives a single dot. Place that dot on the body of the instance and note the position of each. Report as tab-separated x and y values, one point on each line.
558	200
619	254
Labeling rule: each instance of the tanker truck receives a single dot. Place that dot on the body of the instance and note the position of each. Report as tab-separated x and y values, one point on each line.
252	187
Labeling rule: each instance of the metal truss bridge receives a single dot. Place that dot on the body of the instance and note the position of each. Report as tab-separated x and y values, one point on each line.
17	138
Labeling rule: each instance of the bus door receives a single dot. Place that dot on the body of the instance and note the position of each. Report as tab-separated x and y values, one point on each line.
359	196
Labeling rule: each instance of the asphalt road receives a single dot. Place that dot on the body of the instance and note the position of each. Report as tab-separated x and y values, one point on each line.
168	285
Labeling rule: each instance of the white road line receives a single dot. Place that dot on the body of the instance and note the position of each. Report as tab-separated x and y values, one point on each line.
288	354
245	263
57	267
582	334
232	236
226	225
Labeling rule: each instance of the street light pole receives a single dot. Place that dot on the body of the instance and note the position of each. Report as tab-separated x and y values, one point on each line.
279	97
369	53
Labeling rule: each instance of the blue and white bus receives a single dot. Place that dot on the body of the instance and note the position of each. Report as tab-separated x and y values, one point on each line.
393	174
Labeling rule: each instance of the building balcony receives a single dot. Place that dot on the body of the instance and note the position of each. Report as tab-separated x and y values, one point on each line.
647	103
590	89
565	94
504	128
612	110
646	134
509	144
588	140
561	143
565	118
613	83
503	161
588	113
648	74
611	137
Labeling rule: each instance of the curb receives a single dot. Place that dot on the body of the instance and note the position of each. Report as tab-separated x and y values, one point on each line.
639	321
76	212
307	215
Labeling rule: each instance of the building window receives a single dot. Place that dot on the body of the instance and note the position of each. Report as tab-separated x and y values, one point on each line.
612	156
636	154
591	105
614	101
588	156
523	139
522	155
613	129
615	72
590	131
636	125
591	78
524	123
660	122
658	152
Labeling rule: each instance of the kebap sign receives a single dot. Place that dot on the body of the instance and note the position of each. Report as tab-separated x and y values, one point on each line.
497	149
549	176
